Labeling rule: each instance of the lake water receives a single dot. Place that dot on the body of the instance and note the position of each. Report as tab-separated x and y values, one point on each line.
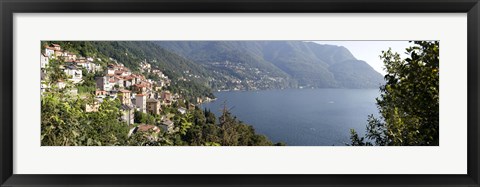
302	117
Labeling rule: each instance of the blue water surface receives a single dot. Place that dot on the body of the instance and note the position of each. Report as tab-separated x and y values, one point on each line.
301	117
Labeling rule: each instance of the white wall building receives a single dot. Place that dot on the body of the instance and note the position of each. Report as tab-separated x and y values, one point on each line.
49	52
141	102
103	83
75	74
43	61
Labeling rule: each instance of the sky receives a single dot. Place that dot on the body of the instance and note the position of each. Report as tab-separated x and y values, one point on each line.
369	51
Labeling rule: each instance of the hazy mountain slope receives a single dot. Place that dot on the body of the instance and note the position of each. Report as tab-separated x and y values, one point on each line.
351	74
307	63
297	60
218	51
236	64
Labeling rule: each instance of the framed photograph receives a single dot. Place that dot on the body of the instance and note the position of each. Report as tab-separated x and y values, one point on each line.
239	93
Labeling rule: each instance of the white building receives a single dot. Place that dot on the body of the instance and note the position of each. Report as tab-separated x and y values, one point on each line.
75	74
141	102
110	71
43	61
182	110
87	65
49	52
96	67
103	83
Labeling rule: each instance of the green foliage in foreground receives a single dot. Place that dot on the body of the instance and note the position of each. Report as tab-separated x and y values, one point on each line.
195	129
64	123
409	103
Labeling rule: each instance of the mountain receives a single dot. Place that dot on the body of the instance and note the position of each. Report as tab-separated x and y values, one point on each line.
286	63
237	65
197	67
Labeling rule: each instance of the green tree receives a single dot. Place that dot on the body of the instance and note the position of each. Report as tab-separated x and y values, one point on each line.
61	120
409	103
64	122
185	123
209	117
54	72
88	85
227	128
140	117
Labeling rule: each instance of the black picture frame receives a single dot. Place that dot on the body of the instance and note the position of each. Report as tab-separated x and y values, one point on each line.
9	7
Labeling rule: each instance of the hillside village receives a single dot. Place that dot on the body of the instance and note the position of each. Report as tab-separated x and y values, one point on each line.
252	78
135	92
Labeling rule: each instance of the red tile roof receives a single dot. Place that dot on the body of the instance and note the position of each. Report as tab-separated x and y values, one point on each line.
141	85
128	77
146	128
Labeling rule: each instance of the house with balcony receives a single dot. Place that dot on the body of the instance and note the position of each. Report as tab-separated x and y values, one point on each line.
125	97
74	74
